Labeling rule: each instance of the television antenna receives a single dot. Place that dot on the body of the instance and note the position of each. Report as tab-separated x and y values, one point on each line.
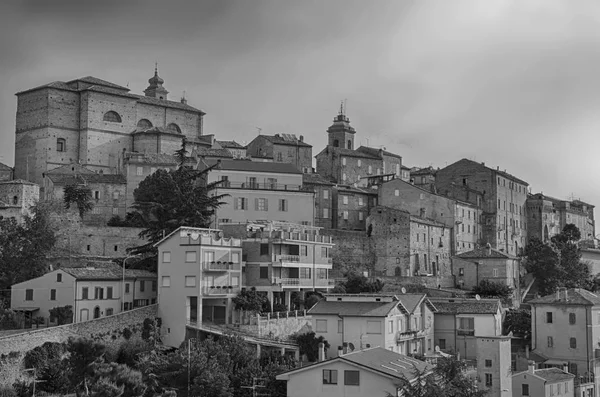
259	130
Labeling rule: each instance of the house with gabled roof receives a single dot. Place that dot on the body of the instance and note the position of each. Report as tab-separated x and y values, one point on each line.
459	321
545	382
369	372
97	290
400	323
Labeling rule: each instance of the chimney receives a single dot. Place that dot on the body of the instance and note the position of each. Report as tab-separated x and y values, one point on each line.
565	367
345	345
321	351
340	351
301	138
497	168
527	351
531	367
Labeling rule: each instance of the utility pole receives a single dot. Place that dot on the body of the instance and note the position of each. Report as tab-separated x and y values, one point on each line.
254	386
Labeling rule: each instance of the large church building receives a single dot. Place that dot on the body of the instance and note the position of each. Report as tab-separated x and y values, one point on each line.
93	122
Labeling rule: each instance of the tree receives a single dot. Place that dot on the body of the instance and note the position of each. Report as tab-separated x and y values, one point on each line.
83	353
252	301
62	314
518	321
24	248
491	289
167	200
309	345
356	283
79	195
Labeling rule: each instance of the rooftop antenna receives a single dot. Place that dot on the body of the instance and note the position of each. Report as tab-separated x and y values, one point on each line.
156	67
341	108
259	130
345	108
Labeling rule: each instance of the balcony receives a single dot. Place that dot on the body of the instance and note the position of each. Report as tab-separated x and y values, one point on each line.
260	186
465	332
220	290
303	282
296	236
287	258
220	266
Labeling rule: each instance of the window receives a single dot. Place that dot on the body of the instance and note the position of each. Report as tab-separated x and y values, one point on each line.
167	257
115	211
144	124
488	363
139	171
340	326
52	294
344	177
127	288
360	216
374	327
321	325
461	271
304	272
330	376
550	341
264	249
370	170
59	277
573	343
98	293
109	292
264	272
345	215
190	256
360	201
109	312
466	326
442	344
84	293
326	213
142	285
303	250
396	192
235	281
190	281
345	200
549	317
174	128
61	145
525	389
112	117
378	171
283	205
326	194
488	380
324	252
261	204
390	327
240	203
495	272
572	318
154	285
235	257
343	161
166	281
351	378
359	163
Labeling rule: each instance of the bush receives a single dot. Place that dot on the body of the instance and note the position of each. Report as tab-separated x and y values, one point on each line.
309	345
7	391
490	289
40	356
127	333
129	352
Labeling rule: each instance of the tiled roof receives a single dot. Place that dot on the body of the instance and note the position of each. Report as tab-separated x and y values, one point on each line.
575	296
255	166
279	140
375	152
387	362
97	81
501	173
5	167
66	179
209	152
150	158
483	252
425	221
55	84
230	144
16	182
424	171
315	179
358	309
410	301
349	153
466	306
550	374
106	272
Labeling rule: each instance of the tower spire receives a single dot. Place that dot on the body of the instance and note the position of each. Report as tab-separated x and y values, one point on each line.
341	108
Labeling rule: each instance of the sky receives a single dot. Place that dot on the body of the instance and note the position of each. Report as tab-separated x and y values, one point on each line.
512	83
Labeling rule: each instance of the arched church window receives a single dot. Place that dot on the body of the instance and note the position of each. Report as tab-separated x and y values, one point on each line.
61	145
336	143
174	128
144	124
350	144
112	117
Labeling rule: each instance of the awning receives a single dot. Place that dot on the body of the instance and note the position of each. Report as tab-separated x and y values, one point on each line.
26	309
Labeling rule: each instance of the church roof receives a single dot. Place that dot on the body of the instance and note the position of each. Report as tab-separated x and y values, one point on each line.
96	81
69	179
375	152
150	158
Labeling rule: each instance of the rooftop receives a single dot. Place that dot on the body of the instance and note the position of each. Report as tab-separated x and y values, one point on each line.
286	139
106	272
466	306
230	144
571	296
150	158
348	152
69	179
254	166
354	309
375	152
315	179
483	252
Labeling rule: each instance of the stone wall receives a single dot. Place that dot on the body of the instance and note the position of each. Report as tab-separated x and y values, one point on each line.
352	250
102	329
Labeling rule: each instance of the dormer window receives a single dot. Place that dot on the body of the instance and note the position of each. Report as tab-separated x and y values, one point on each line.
174	128
61	145
112	117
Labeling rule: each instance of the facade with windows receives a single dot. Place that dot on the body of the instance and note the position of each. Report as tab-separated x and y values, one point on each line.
548	382
403	323
260	191
92	292
199	272
369	372
565	329
324	196
458	322
283	258
17	198
494	365
282	148
92	122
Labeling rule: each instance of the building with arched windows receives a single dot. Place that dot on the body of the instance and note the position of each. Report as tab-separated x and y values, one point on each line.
94	122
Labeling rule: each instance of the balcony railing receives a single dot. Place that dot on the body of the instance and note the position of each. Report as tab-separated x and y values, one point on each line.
465	332
317	238
220	290
303	282
220	266
260	186
287	258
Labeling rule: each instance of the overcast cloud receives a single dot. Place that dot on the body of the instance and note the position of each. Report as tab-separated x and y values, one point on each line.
509	83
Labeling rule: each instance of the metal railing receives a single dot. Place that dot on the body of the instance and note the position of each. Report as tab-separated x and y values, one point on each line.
220	266
260	186
287	258
219	290
303	282
317	238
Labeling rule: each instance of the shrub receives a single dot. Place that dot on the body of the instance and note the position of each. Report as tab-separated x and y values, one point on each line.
127	333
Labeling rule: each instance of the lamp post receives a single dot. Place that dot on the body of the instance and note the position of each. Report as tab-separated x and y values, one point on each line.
123	283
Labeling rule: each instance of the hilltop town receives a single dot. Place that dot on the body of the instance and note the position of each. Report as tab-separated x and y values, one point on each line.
383	267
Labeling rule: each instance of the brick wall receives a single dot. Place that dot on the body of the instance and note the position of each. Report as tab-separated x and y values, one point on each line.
352	250
101	329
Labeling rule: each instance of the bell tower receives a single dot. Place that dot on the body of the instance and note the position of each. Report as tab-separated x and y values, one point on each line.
341	134
156	89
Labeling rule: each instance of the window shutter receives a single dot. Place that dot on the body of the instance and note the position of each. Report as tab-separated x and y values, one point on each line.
256	204
235	203
280	205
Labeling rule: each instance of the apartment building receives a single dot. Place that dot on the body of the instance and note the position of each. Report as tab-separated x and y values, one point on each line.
565	329
281	258
459	321
370	372
199	272
92	291
403	323
504	218
259	191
